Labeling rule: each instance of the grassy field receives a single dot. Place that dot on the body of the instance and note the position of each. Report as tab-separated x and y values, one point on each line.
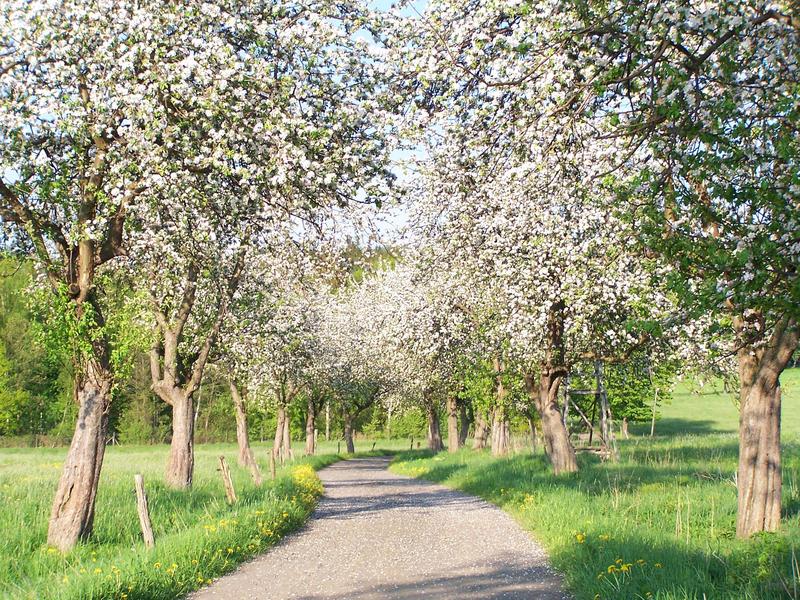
709	409
661	522
198	535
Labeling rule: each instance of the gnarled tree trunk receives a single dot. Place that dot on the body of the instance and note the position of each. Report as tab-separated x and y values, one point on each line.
311	424
556	439
348	432
544	394
246	457
453	440
759	472
180	466
72	515
481	432
434	433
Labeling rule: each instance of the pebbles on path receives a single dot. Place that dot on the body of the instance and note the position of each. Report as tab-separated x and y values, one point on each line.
380	535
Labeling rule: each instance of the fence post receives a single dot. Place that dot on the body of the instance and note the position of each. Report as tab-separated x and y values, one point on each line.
144	513
226	480
272	463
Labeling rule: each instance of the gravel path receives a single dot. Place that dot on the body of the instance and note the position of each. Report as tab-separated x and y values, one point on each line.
380	535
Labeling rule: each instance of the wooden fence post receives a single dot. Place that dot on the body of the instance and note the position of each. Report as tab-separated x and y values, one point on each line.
144	513
226	480
272	463
412	444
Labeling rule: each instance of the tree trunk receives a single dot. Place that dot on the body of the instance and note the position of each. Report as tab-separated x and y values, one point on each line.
499	420
557	446
287	435
72	514
348	432
463	432
759	472
481	432
532	429
327	420
280	419
180	467
453	440
246	457
311	418
434	434
500	432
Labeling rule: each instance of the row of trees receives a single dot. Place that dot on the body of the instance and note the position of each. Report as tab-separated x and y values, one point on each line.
162	161
618	174
600	183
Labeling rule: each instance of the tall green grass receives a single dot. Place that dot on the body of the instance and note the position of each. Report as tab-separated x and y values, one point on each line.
659	524
198	535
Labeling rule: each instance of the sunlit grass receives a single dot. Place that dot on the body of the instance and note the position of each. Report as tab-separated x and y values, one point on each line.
659	524
198	535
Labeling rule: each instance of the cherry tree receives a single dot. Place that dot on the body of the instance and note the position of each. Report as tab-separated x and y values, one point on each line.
554	276
713	102
351	356
698	102
288	127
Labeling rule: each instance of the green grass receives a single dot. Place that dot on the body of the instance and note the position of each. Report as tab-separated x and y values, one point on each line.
198	535
709	409
659	524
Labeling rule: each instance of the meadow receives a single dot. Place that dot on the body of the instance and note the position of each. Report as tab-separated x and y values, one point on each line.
198	535
658	524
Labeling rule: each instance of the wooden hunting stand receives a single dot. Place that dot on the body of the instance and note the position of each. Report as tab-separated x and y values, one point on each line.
608	442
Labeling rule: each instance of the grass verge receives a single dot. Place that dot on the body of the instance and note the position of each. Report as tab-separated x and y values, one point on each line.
659	524
198	535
